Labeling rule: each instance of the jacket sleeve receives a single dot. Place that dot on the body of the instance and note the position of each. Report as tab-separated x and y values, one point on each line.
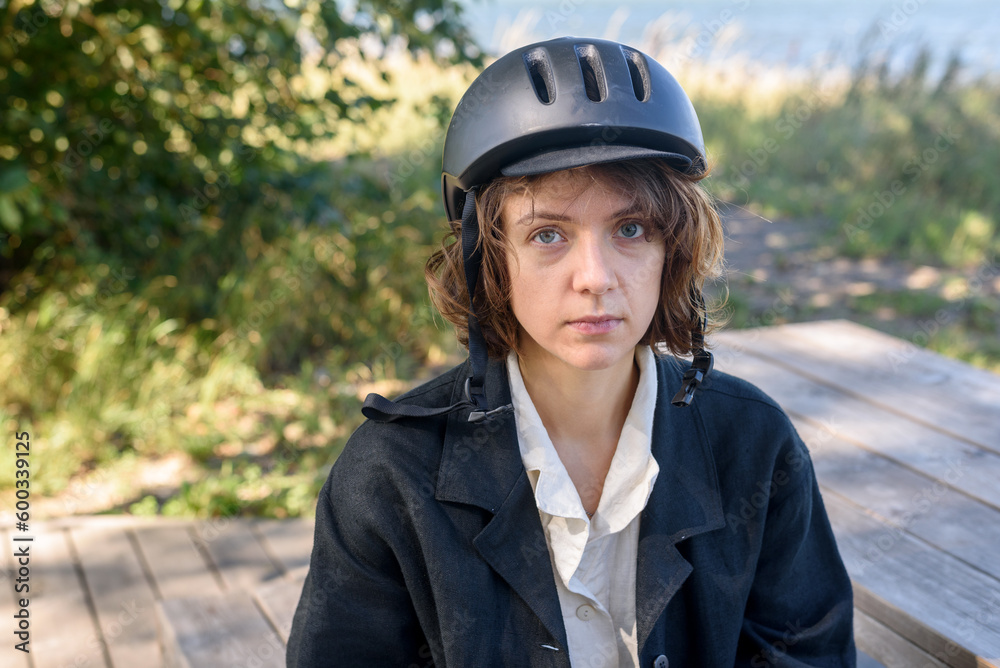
800	608
355	609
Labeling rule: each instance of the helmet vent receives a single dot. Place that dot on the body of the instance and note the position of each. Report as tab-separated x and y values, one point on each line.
639	72
540	73
592	68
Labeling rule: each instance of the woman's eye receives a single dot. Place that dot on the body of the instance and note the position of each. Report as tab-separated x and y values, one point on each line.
547	237
631	230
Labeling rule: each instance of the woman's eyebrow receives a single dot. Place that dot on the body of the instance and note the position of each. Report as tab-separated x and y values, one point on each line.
630	210
543	215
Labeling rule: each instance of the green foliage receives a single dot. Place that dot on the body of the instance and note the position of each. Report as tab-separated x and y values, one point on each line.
104	371
152	134
203	260
904	162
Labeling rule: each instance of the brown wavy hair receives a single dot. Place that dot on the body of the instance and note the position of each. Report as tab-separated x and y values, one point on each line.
682	214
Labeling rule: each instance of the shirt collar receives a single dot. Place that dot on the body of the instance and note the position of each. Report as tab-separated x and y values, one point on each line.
633	469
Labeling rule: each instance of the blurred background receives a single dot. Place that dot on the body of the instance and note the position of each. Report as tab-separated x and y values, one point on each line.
214	214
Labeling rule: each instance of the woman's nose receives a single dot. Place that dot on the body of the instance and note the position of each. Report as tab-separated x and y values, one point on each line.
593	269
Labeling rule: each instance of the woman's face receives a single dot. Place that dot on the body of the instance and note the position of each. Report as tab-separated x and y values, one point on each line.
585	281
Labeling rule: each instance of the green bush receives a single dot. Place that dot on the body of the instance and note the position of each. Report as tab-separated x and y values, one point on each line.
903	163
202	258
153	135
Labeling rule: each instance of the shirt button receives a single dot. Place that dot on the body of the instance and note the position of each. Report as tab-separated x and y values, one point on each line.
661	662
586	612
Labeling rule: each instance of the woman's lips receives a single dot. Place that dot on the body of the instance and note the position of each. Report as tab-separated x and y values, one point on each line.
595	324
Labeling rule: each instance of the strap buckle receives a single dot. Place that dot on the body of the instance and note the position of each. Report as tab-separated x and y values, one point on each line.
478	399
693	378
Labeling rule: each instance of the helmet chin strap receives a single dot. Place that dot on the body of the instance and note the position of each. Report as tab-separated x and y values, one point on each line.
472	256
380	409
703	360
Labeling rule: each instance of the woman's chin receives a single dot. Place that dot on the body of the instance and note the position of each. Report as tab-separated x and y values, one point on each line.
596	357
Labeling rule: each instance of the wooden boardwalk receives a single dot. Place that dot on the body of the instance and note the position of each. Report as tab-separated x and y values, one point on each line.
906	446
100	587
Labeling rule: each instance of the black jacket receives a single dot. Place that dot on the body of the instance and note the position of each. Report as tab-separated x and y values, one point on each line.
429	550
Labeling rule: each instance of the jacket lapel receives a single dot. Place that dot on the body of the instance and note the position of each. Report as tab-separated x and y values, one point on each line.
685	501
481	465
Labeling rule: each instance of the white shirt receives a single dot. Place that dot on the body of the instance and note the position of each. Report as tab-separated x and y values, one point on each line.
593	560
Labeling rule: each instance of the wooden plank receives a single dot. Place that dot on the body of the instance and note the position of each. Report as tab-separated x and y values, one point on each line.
954	397
177	566
67	633
935	512
866	661
945	607
881	646
236	553
226	631
919	447
121	593
9	601
278	598
289	541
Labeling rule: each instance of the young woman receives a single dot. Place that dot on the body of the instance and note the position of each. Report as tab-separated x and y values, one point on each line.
572	495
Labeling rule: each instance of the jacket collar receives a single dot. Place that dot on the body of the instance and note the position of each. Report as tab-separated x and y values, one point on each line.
481	465
480	462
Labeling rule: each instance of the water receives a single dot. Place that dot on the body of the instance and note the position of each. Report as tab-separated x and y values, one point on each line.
774	32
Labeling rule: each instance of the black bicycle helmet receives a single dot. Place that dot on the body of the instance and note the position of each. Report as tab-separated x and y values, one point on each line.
565	103
545	107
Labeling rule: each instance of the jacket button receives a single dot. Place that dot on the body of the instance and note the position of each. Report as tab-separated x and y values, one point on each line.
661	662
585	612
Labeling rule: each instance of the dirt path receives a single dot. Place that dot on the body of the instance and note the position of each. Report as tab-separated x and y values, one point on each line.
790	271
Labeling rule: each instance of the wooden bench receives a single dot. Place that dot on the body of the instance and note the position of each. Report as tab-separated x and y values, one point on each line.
906	446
